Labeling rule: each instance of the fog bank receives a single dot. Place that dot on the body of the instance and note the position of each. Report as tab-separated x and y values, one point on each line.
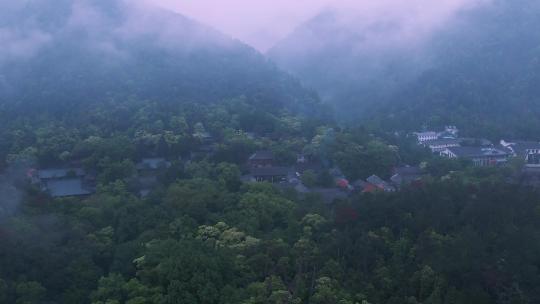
263	23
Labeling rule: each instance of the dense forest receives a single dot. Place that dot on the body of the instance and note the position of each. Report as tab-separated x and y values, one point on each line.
84	52
478	70
205	239
103	93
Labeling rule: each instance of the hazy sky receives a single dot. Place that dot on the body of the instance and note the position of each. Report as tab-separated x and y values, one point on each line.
262	23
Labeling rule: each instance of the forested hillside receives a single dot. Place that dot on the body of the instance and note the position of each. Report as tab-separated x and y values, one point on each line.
63	54
479	70
204	240
486	76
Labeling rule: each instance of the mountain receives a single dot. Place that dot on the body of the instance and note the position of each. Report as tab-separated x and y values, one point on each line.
479	71
352	62
67	53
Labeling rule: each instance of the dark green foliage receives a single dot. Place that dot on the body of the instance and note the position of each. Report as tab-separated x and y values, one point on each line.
132	52
202	236
468	239
479	71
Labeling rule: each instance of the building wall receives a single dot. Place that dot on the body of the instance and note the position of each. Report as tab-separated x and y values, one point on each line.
261	162
270	179
533	158
423	138
441	148
488	161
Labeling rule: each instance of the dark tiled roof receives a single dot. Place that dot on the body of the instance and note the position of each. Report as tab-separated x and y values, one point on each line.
408	170
67	187
262	155
405	175
374	179
60	173
472	152
475	142
271	171
379	182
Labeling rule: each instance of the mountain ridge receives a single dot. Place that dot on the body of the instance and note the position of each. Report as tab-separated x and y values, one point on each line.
82	50
478	71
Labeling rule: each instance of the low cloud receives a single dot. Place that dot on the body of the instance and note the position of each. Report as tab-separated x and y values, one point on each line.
263	23
11	194
21	44
108	27
165	29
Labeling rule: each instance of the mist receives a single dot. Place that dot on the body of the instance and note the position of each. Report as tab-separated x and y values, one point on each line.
104	27
263	23
11	194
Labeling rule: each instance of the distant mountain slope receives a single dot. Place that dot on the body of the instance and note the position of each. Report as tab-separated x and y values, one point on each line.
487	74
354	63
481	72
66	52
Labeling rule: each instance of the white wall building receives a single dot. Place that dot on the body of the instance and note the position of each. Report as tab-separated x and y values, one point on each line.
425	136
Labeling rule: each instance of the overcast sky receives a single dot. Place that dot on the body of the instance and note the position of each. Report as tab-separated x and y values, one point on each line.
261	23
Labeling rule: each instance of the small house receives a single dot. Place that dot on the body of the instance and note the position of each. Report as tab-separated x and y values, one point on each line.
65	187
406	175
263	158
380	183
270	174
64	182
361	186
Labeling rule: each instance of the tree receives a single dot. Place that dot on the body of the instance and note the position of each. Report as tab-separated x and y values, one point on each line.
195	198
261	209
327	292
30	292
309	178
228	176
3	291
272	291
